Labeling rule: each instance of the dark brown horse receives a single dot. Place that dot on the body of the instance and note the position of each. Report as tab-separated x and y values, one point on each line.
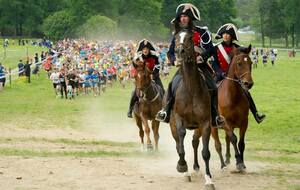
234	106
192	105
150	102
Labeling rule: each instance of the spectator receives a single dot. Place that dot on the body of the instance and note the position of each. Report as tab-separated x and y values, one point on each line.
265	59
2	75
27	70
21	68
272	58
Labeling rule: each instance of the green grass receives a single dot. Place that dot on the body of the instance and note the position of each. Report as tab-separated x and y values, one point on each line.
16	52
68	141
41	153
276	93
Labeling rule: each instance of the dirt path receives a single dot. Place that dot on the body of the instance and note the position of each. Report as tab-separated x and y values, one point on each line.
122	173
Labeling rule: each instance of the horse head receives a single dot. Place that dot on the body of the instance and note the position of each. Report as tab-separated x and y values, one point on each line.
184	47
143	75
241	66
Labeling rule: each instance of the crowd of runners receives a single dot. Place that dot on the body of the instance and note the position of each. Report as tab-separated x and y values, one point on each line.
86	67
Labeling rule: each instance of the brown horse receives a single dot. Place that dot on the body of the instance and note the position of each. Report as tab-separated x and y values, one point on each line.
150	102
234	106
191	106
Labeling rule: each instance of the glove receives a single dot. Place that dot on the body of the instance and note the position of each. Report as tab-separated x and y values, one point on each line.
199	59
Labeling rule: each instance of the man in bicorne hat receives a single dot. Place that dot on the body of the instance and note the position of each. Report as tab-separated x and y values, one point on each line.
222	59
147	52
185	15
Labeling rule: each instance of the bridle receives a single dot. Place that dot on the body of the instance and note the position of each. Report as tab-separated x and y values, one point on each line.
238	78
142	92
182	35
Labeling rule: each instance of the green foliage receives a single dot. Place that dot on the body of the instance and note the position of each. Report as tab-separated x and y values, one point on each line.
59	25
98	27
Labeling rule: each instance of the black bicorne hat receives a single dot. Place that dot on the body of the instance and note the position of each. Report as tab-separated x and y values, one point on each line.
188	9
145	43
229	29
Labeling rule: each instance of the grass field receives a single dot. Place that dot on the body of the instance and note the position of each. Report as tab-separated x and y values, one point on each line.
15	53
34	107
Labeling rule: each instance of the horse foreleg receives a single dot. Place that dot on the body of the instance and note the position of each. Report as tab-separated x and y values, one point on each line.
242	144
233	140
138	121
181	131
155	128
147	131
218	146
206	131
195	143
174	132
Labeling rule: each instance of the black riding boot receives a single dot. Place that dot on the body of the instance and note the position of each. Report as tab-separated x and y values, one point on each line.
133	100
217	119
164	114
258	117
157	80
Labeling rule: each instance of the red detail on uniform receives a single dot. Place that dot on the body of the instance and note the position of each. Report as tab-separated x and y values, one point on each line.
196	38
150	63
223	63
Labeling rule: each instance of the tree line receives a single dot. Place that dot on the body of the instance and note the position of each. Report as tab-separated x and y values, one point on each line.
108	19
58	19
272	19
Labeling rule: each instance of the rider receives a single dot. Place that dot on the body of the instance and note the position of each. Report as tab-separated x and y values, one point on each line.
185	15
147	52
221	61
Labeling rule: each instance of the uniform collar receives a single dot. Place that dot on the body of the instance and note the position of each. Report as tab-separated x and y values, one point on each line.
225	44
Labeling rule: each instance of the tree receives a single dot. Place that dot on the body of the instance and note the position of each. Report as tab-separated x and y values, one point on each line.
98	27
59	25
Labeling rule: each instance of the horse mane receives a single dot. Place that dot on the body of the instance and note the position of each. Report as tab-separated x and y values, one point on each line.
239	50
242	49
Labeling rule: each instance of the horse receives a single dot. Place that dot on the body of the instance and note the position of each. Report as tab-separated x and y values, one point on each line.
150	102
192	109
234	106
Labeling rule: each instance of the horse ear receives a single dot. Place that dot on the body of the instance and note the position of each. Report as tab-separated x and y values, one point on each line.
234	51
249	49
133	63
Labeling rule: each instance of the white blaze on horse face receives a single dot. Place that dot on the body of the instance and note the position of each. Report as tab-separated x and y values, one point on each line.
182	36
245	59
139	75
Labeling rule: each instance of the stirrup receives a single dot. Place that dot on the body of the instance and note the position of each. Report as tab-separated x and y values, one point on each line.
161	116
129	114
259	117
219	121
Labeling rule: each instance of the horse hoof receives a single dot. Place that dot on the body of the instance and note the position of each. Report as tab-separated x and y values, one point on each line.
223	166
149	147
227	162
196	167
182	168
187	177
240	167
210	187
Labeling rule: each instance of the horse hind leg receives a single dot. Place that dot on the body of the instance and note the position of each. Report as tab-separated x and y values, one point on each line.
228	155
155	129
195	143
139	123
218	146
